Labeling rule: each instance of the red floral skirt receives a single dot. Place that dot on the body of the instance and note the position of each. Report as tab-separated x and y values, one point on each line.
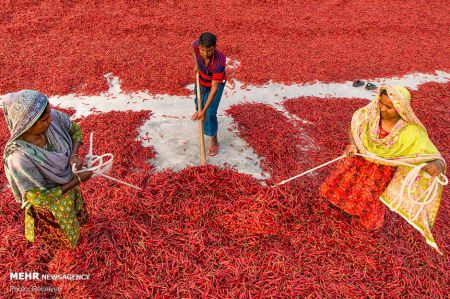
355	186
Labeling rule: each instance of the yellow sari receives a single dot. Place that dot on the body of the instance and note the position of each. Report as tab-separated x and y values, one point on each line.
408	142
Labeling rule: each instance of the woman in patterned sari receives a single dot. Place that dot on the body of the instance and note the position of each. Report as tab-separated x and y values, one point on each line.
38	156
387	128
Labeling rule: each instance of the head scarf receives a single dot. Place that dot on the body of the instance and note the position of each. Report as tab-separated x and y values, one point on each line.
366	121
22	109
28	166
401	99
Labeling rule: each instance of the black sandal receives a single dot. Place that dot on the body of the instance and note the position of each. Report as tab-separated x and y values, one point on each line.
370	86
358	83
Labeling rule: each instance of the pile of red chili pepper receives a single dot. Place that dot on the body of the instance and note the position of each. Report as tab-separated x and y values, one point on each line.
66	47
211	232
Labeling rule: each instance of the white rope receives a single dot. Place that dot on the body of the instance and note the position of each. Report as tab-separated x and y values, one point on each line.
427	195
99	165
308	171
408	184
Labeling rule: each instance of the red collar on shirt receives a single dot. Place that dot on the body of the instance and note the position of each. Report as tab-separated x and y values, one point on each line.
383	133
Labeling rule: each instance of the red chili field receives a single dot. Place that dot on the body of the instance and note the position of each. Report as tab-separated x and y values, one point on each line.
216	232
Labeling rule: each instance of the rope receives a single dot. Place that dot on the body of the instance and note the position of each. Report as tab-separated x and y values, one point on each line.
308	171
408	184
427	196
99	165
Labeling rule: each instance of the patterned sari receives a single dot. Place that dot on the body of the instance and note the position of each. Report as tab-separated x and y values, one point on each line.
408	142
35	174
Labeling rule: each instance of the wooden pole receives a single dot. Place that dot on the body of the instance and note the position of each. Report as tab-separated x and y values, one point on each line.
200	123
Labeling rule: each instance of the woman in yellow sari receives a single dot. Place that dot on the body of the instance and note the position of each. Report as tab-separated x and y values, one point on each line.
387	130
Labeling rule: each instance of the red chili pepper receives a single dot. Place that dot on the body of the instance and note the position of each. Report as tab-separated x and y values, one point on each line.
210	231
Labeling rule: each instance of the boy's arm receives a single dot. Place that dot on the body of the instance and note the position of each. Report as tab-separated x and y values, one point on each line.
193	47
195	59
211	96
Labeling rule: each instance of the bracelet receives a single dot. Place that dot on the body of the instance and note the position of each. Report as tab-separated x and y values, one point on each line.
353	146
442	163
74	155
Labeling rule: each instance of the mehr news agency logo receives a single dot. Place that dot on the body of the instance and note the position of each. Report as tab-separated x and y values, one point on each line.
41	276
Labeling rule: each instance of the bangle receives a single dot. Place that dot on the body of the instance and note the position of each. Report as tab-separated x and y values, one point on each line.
353	146
442	163
74	155
78	177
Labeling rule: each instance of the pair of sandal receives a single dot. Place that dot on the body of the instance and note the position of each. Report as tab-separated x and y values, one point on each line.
213	149
369	86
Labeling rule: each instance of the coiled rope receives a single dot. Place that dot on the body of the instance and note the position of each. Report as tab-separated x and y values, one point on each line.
99	165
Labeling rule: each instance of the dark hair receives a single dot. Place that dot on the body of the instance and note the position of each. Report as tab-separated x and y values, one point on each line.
207	39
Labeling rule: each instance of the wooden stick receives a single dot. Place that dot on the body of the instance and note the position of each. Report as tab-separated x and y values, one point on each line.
200	122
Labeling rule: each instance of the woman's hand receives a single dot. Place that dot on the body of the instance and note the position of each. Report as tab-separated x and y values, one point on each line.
84	176
434	168
75	160
350	150
76	180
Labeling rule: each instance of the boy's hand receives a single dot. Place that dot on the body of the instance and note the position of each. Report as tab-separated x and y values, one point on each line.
201	115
